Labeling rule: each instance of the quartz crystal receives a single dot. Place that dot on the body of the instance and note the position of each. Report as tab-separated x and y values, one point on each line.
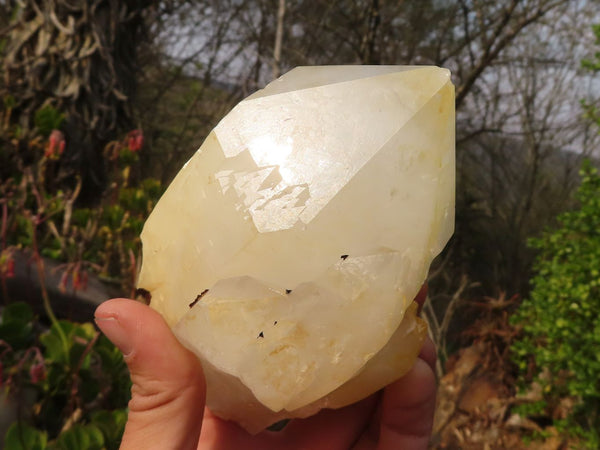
287	251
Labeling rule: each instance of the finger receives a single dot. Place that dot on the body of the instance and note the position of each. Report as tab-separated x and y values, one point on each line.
168	390
332	428
428	353
407	410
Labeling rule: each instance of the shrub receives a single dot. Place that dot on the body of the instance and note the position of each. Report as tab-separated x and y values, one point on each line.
560	341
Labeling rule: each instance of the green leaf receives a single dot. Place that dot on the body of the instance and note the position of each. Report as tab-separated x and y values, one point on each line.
110	355
112	425
17	334
9	101
79	437
16	325
47	119
53	343
21	436
18	312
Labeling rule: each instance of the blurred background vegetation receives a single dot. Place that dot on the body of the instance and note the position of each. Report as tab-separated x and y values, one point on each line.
103	101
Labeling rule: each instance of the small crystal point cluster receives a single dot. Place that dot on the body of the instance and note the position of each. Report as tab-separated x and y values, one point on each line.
287	251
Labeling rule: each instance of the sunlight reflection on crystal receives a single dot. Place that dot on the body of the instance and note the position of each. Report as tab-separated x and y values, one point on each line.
267	152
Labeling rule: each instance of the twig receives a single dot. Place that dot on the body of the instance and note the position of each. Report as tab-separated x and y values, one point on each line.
440	268
4	203
45	297
3	247
434	333
452	306
35	221
75	416
438	331
69	207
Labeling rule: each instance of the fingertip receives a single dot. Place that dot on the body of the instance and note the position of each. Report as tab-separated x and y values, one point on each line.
119	306
111	318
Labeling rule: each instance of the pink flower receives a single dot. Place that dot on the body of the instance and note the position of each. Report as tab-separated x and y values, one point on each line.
135	140
37	372
64	279
10	268
56	145
80	280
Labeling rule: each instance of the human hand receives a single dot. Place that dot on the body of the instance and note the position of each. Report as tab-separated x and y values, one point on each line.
167	408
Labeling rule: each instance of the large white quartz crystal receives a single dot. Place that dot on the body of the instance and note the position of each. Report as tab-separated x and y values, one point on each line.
288	250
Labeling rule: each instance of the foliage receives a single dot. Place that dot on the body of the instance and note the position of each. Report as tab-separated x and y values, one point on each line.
592	111
47	119
80	386
560	337
42	215
594	63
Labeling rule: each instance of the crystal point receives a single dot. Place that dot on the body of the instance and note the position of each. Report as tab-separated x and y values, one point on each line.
311	214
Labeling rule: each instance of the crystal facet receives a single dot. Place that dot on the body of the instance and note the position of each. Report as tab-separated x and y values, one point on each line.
287	251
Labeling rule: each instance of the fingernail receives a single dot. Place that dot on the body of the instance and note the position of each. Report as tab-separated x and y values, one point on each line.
115	332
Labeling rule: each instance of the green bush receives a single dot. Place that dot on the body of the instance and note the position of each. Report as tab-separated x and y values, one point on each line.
559	346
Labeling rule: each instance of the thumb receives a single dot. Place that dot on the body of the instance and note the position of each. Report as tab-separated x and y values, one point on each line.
168	391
